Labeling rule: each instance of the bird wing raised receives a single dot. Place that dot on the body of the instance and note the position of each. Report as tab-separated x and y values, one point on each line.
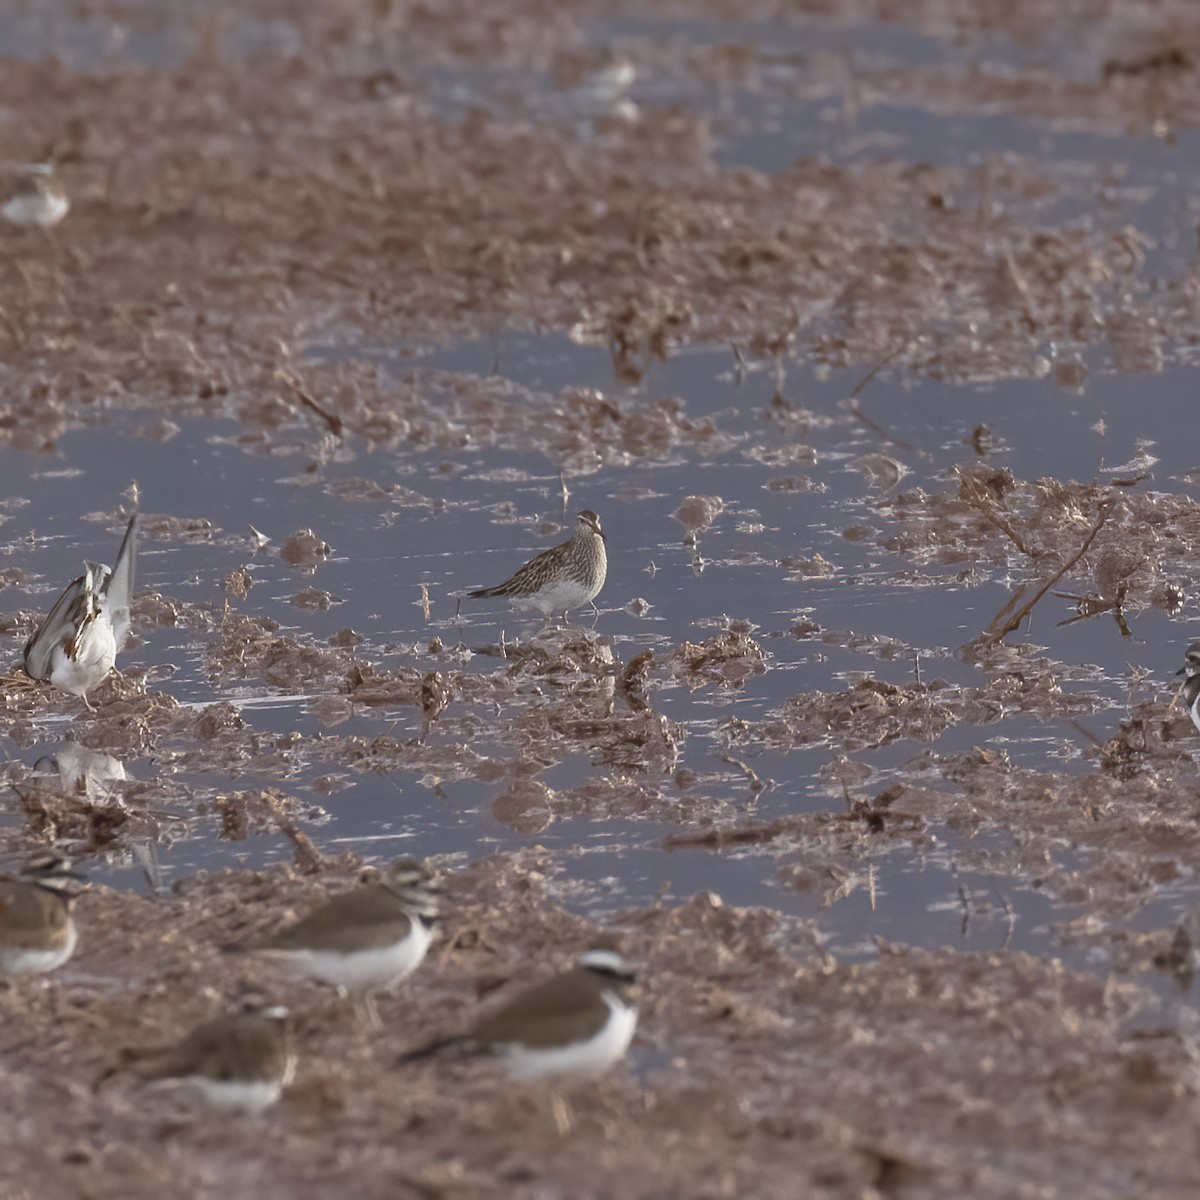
118	590
59	626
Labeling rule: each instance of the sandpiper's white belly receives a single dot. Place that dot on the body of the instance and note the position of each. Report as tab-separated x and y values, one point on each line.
37	209
360	970
95	654
580	1060
14	961
559	596
227	1095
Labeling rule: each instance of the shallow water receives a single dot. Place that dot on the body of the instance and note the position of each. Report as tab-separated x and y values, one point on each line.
381	556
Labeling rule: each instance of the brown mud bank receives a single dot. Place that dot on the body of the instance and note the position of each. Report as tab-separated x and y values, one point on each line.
764	1066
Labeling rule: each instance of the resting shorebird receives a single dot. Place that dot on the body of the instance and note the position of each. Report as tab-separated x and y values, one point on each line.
37	931
362	941
78	642
1191	683
38	198
561	578
237	1063
571	1027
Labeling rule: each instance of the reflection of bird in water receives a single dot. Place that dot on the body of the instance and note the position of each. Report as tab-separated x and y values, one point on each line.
561	578
237	1063
573	1026
76	646
37	930
594	86
38	197
1191	684
92	781
86	772
610	82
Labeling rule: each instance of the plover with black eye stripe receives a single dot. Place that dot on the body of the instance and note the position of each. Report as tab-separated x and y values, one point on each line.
1191	683
363	941
572	1027
236	1063
37	929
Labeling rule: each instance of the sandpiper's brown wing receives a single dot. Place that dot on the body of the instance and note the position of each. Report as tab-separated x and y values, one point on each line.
567	1008
363	919
31	917
240	1046
532	576
60	625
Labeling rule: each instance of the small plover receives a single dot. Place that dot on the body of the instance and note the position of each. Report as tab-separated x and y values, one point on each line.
237	1063
572	1027
362	941
38	197
37	930
1191	683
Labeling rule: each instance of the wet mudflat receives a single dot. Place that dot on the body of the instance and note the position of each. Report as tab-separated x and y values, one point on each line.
869	338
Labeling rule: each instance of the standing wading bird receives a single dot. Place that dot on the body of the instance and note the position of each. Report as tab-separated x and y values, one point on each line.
362	941
37	931
561	578
236	1063
38	198
1191	683
573	1026
76	646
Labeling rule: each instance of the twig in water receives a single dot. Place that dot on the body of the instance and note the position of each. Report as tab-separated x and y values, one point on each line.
1001	628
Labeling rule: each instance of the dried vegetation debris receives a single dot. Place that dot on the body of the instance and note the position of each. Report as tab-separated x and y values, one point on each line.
726	659
1128	549
742	1013
875	713
426	227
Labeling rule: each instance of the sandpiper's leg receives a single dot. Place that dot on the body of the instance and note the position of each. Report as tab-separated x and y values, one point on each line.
366	1006
563	1118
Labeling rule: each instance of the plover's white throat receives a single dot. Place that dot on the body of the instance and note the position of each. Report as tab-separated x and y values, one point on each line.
37	198
363	941
237	1063
76	646
37	930
1191	683
562	578
571	1027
